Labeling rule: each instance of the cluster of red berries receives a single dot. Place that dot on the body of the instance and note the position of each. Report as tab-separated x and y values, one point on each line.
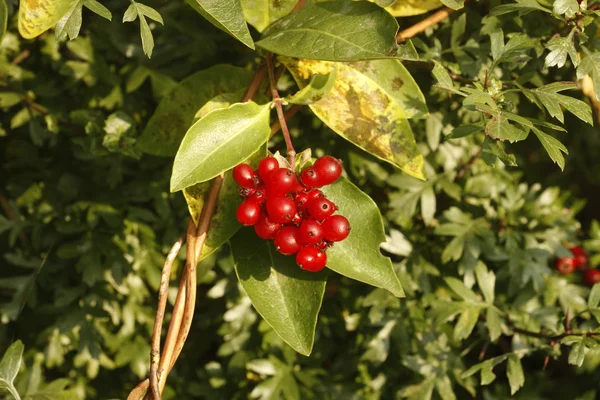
292	212
579	261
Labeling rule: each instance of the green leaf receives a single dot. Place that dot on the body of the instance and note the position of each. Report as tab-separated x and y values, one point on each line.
566	7
553	146
226	15
314	91
594	298
175	113
500	129
147	38
350	111
486	281
220	141
454	4
577	353
514	373
287	297
560	48
98	8
328	31
141	11
461	290
590	65
552	101
514	49
466	323
358	256
70	24
493	149
493	324
3	18
149	12
428	205
224	223
521	6
9	367
443	385
443	77
262	13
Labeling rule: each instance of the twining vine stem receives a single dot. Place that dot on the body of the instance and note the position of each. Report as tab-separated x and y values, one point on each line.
291	152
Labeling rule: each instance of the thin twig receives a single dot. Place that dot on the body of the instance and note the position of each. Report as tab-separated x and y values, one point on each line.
21	57
542	335
289	113
257	80
278	73
139	390
291	153
163	292
426	23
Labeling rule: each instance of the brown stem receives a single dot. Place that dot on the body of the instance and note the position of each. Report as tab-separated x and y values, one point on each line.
541	335
257	80
291	153
299	5
160	315
426	23
139	390
289	113
278	72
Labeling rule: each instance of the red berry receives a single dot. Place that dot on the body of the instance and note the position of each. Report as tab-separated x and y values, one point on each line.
266	167
245	192
282	181
281	209
314	194
336	228
321	208
301	200
311	259
248	212
328	169
324	245
297	219
580	257
265	228
244	176
311	232
287	240
259	195
310	178
565	265
590	276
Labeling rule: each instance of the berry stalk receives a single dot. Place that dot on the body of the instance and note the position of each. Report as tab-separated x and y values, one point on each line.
291	152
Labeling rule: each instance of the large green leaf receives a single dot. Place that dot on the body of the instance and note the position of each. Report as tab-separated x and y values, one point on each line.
226	15
176	111
220	141
224	223
358	257
262	13
368	105
9	367
336	31
287	297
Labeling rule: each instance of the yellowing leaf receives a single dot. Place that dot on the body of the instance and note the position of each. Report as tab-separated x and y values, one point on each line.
404	8
37	16
369	104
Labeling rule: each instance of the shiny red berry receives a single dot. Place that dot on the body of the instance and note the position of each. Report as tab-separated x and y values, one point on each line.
324	245
280	209
328	169
565	265
282	181
259	195
244	176
580	257
314	194
248	213
246	192
311	259
297	219
266	167
301	200
336	228
311	232
591	277
321	208
310	178
265	228
287	240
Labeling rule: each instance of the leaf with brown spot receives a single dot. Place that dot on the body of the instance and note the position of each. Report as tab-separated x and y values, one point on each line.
363	107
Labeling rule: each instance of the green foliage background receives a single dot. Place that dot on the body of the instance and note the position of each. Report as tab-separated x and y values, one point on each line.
88	220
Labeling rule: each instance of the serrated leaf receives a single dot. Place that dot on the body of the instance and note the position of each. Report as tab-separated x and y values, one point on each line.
226	15
594	298
550	98
262	13
560	48
314	91
3	18
514	373
379	127
486	280
577	353
224	223
98	8
175	113
358	256
287	297
500	129
220	141
566	7
466	323
553	146
9	367
329	31
70	24
461	290
590	65
36	17
406	8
